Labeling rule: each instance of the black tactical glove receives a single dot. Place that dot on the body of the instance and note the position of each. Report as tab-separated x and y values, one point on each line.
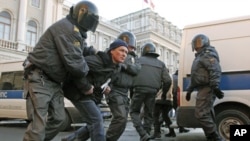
218	93
132	53
189	91
124	66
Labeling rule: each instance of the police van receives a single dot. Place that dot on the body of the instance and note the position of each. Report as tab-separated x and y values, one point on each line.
231	38
13	103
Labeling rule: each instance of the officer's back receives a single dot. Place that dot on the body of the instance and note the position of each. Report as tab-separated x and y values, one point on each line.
153	71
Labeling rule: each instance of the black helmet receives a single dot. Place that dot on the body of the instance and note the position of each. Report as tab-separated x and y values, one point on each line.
86	15
149	48
200	41
129	38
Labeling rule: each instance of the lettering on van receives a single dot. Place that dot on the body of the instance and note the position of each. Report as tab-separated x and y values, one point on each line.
3	94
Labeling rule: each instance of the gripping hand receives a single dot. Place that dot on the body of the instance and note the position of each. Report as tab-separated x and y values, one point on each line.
218	93
188	96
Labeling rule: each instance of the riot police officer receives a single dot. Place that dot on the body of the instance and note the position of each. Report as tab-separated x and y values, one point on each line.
118	99
152	76
205	77
59	52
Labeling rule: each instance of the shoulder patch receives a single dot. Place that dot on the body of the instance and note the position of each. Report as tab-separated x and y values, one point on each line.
212	60
76	43
207	51
76	29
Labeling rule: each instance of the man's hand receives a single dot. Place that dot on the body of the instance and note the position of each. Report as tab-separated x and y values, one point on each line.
107	90
124	66
188	96
90	91
218	93
189	91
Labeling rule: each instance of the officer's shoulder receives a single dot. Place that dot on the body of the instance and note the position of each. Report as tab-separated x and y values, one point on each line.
210	52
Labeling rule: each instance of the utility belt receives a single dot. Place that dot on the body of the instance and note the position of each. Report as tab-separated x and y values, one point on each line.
26	63
120	89
145	89
28	67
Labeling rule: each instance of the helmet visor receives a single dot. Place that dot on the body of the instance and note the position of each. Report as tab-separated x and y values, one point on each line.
197	43
89	21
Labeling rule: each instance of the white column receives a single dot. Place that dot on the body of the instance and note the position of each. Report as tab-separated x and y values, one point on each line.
48	13
21	25
59	10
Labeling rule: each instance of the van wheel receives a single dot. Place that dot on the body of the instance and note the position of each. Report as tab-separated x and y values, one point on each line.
67	122
230	117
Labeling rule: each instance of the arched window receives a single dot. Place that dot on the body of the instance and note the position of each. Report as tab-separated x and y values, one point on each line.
31	33
5	20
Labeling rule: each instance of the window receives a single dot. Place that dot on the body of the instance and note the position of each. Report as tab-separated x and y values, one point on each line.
11	80
161	54
152	22
124	26
173	59
5	20
172	34
167	58
93	38
105	43
178	38
160	28
35	3
137	23
31	33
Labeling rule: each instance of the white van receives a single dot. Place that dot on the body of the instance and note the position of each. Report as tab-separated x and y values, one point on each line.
231	38
13	103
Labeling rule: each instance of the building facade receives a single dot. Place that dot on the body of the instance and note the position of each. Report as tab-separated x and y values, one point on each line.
22	22
148	26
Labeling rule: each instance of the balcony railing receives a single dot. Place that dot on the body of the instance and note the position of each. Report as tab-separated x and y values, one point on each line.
8	44
11	45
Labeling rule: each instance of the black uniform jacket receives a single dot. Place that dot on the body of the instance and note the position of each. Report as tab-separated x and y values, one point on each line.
101	68
60	51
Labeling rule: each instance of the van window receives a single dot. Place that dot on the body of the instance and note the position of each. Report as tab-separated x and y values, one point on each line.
11	80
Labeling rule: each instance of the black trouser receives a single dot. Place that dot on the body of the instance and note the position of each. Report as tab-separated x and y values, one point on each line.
135	108
119	106
204	111
161	110
175	102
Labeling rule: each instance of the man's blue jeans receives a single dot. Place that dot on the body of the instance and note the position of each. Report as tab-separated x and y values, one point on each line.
91	115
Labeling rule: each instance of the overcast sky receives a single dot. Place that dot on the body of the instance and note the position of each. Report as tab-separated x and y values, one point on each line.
178	12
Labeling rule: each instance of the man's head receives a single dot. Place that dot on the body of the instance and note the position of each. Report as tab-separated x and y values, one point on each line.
130	39
149	49
200	41
118	50
86	15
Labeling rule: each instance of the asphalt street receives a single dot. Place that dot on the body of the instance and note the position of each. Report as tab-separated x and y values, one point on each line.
14	132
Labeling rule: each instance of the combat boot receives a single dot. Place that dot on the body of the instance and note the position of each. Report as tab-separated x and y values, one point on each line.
145	137
157	132
183	130
156	135
171	133
143	134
